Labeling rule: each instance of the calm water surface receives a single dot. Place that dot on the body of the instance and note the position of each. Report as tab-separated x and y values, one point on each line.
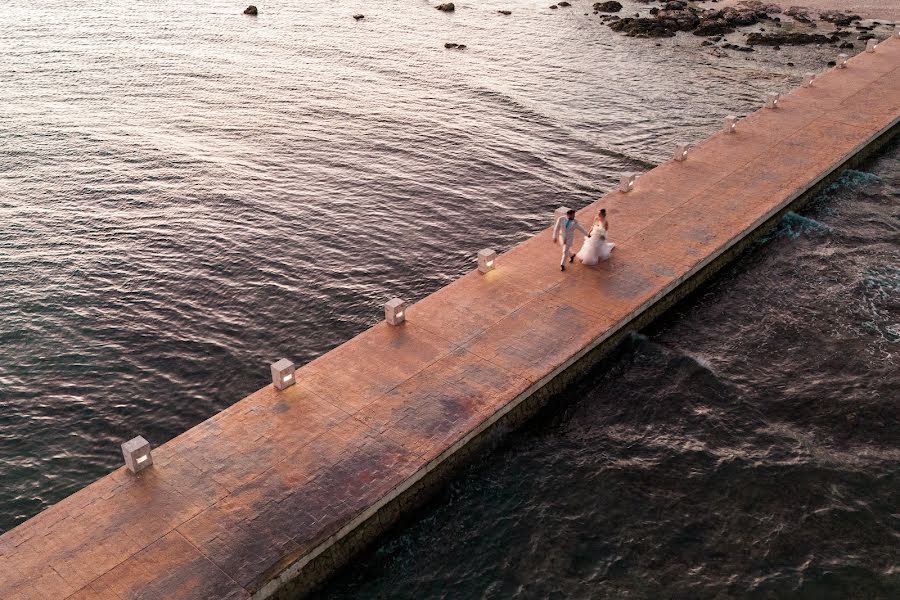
187	194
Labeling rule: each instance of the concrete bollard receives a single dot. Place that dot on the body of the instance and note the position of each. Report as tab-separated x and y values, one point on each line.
731	122
136	452
681	152
487	260
626	182
283	374
395	311
808	79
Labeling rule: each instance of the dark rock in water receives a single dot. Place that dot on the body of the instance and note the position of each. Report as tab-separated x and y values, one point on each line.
734	16
251	10
505	12
446	7
712	28
790	64
846	45
654	11
738	48
643	28
675	5
761	7
451	45
611	6
866	36
358	17
706	43
563	4
461	47
837	17
800	13
831	63
553	6
786	39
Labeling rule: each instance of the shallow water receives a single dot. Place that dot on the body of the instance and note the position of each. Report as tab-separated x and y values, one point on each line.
746	447
187	194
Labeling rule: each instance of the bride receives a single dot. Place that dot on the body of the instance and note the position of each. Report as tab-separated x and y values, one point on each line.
596	248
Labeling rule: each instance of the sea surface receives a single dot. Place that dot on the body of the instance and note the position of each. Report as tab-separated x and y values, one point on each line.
188	193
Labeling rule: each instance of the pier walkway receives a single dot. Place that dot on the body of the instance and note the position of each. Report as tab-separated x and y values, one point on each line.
238	506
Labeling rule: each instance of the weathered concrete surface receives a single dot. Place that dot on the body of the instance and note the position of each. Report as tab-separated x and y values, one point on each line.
273	493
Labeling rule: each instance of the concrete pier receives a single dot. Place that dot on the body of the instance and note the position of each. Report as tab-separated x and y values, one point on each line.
271	495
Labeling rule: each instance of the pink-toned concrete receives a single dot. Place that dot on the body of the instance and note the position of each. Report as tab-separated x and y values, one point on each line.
278	476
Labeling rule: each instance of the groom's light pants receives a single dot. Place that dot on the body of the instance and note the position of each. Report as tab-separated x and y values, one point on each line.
567	252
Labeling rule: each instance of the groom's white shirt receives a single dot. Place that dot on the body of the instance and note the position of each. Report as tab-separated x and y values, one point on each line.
569	227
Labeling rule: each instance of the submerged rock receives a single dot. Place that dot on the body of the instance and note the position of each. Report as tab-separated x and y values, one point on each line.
563	4
800	13
786	39
446	7
837	17
251	10
611	6
713	28
358	17
646	28
505	12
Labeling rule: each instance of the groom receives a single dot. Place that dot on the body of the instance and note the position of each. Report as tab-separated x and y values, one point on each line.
567	225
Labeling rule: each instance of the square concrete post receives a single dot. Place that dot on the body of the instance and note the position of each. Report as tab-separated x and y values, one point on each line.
487	260
137	455
626	182
395	311
731	122
681	152
283	374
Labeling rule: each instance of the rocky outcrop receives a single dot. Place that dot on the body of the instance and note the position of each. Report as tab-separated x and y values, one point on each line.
714	27
251	10
837	17
609	7
758	6
788	39
505	12
642	27
800	13
446	7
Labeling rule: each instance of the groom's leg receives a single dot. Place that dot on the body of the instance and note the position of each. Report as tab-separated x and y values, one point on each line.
565	255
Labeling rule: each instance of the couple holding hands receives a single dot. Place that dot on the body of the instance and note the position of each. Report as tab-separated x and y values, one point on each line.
595	247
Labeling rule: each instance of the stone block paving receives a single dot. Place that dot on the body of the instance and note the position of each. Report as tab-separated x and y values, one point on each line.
232	502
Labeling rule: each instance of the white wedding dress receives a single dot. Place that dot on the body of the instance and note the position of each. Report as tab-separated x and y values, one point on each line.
595	248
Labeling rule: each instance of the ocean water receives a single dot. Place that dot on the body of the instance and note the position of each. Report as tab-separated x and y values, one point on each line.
188	193
744	447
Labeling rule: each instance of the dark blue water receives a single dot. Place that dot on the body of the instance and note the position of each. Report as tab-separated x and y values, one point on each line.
746	447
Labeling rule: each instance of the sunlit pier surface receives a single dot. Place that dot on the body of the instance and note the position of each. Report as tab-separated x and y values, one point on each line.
269	496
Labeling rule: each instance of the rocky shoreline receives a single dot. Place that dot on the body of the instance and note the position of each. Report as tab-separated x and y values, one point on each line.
794	25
